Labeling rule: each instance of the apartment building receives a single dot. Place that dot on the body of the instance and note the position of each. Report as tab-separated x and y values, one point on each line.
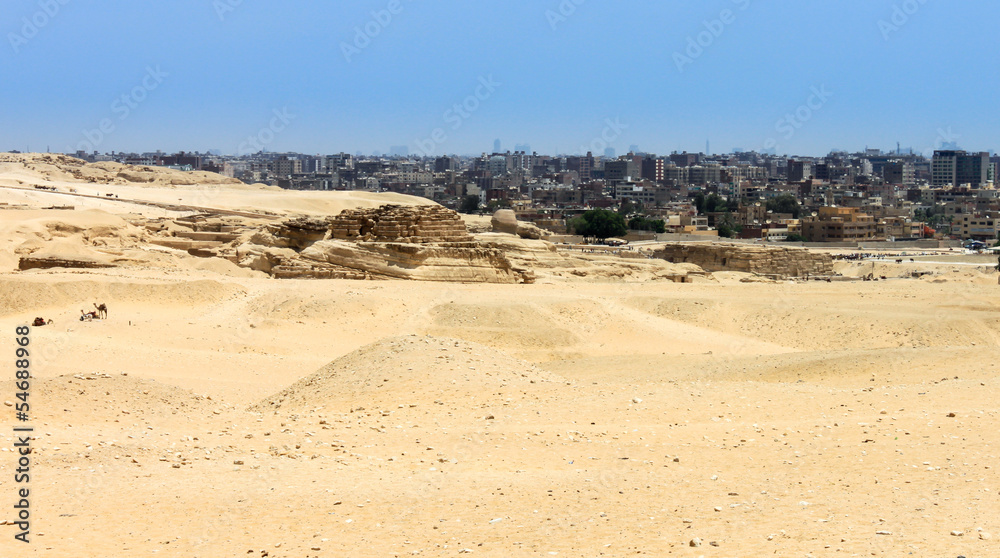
839	224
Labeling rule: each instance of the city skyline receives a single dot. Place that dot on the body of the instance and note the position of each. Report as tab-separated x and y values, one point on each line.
565	77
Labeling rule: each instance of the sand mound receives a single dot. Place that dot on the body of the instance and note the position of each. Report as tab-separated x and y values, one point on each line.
120	397
411	371
28	297
71	236
45	225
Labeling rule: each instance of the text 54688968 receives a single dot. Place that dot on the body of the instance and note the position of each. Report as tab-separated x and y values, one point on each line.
22	436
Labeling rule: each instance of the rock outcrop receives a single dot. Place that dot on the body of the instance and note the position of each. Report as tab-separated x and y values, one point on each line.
547	261
396	223
30	262
763	260
505	221
423	243
460	263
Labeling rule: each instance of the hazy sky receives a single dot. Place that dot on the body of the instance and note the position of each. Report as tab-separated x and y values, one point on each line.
450	77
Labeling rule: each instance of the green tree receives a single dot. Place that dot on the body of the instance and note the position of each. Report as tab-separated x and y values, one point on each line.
714	203
645	224
795	238
699	203
727	226
628	207
494	205
470	205
600	224
785	203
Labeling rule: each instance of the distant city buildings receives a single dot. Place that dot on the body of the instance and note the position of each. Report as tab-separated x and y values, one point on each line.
841	197
958	168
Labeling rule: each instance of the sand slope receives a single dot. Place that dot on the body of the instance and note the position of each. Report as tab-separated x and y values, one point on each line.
411	371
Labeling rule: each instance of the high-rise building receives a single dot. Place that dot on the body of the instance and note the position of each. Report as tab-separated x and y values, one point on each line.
445	164
652	169
957	168
521	160
685	159
498	165
284	167
899	172
339	161
621	171
710	173
799	171
584	166
676	174
497	146
609	153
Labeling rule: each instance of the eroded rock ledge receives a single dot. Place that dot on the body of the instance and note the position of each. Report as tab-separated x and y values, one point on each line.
424	243
780	262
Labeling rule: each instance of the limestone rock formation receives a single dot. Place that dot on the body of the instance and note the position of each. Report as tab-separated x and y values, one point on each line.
467	263
300	233
30	262
396	223
546	261
505	221
424	243
763	260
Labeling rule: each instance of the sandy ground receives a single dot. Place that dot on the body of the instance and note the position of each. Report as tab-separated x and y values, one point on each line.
216	415
767	419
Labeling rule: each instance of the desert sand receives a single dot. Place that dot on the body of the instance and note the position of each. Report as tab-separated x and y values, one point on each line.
219	412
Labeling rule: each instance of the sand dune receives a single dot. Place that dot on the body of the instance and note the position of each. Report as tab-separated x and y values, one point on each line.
424	371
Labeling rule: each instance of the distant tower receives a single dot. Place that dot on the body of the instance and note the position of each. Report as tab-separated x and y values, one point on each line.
497	146
708	147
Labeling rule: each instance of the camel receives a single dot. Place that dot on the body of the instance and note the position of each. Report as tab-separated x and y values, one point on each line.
102	311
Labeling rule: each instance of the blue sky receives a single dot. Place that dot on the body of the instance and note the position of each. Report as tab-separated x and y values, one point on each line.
210	74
